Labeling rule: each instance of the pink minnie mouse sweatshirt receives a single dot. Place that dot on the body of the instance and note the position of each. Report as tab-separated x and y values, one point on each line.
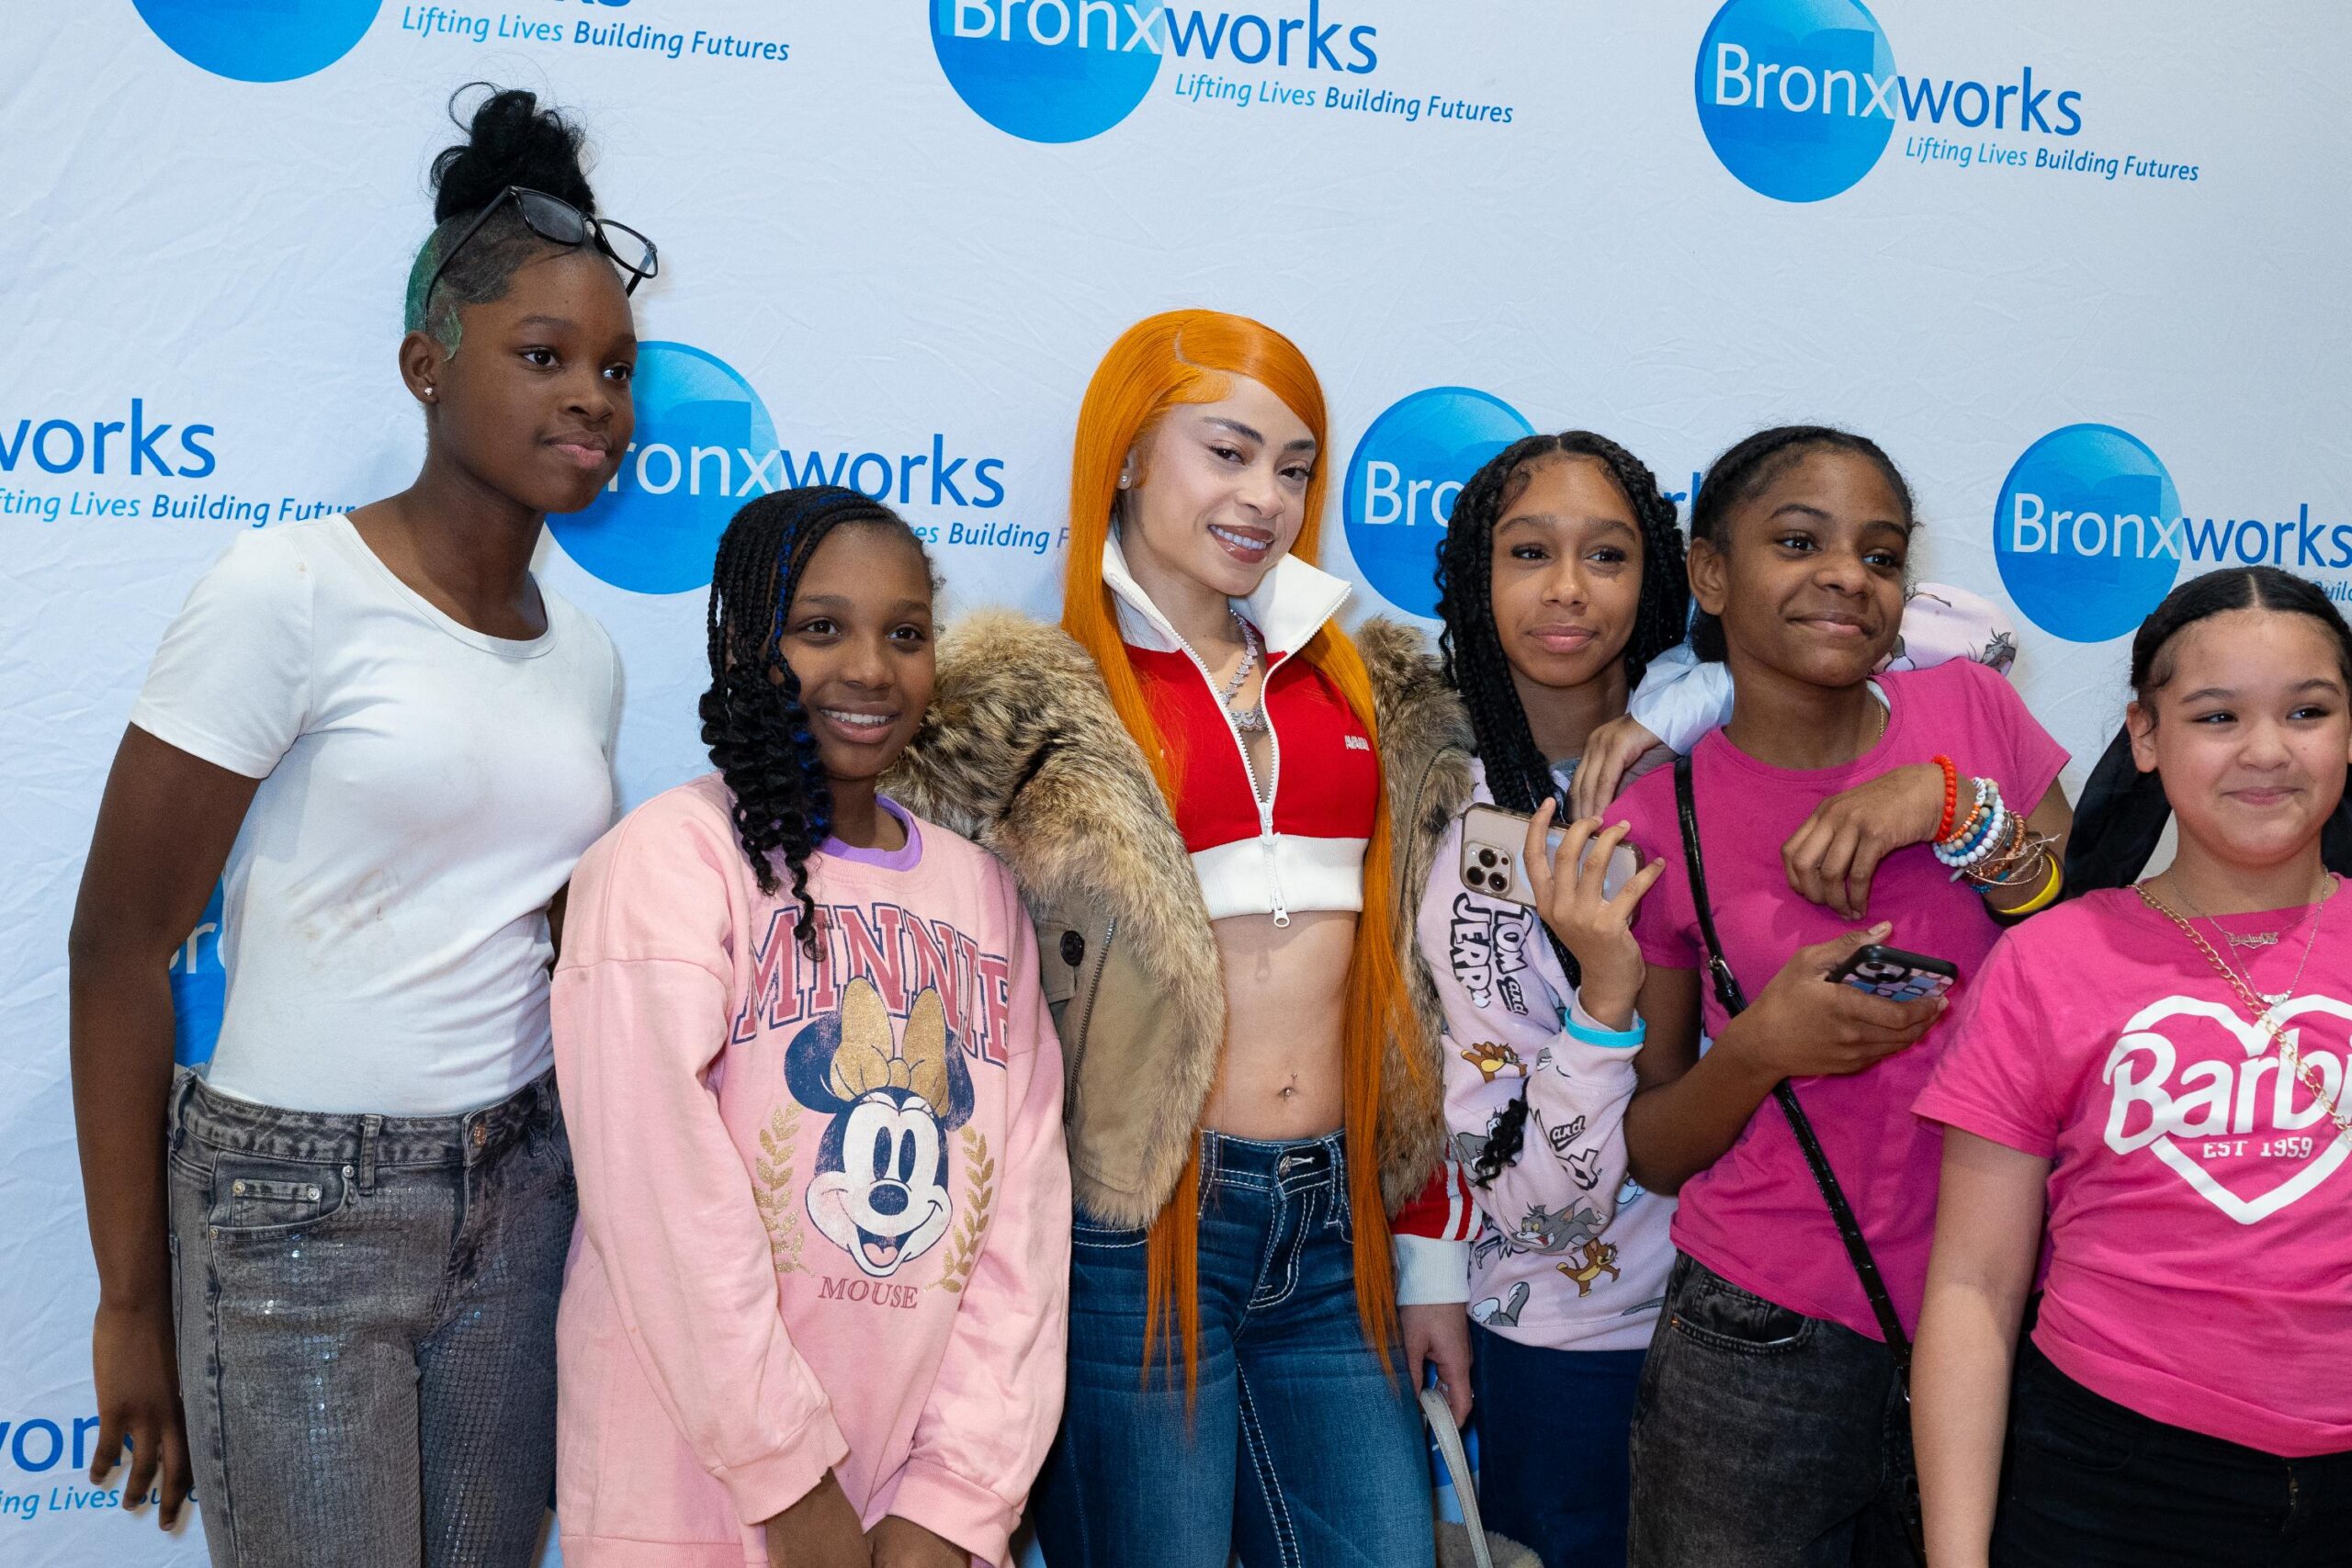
824	1210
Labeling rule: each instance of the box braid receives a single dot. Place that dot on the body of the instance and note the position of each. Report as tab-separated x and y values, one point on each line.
1518	775
752	719
1748	467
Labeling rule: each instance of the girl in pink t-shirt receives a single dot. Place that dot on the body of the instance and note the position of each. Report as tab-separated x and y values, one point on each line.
1769	1428
2158	1071
816	1307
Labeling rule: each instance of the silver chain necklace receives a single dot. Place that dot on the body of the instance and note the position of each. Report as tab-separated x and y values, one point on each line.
1252	718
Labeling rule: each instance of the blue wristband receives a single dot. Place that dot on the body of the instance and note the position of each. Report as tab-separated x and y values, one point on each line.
1609	1039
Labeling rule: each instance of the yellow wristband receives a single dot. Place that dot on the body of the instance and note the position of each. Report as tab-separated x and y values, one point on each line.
2043	898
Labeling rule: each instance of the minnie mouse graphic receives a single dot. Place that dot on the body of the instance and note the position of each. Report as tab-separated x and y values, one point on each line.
880	1190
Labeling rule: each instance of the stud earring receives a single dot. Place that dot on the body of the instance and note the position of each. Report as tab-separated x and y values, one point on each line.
428	393
1124	480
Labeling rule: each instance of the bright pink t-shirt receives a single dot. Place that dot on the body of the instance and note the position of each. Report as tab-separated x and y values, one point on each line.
2201	1220
1755	1217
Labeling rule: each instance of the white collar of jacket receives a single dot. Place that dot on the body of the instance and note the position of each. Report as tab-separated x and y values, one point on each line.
1290	605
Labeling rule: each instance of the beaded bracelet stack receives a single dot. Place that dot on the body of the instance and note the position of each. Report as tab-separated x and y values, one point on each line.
1991	846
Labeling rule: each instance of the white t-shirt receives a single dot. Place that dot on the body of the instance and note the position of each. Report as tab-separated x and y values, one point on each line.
424	792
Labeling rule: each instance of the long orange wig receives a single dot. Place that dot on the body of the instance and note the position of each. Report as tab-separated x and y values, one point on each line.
1161	363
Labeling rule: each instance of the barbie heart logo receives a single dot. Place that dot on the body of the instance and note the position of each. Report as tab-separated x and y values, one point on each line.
2218	1098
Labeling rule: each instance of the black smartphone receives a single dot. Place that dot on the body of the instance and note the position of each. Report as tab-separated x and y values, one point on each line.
1897	975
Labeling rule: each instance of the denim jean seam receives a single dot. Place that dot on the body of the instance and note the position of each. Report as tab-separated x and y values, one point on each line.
215	1376
1277	1201
465	1243
1087	1239
1279	1234
1295	1261
1261	1465
1724	1343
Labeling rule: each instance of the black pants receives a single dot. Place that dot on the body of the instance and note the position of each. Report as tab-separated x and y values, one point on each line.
2088	1482
1763	1438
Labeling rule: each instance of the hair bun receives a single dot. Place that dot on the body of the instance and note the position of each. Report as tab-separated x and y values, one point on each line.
510	140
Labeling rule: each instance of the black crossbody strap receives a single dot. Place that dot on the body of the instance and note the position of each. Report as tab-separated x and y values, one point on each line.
1727	991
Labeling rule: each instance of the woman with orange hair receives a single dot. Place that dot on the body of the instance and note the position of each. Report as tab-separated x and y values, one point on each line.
1186	777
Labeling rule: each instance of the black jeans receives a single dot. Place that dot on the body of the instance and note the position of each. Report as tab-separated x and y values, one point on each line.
1762	1439
2091	1482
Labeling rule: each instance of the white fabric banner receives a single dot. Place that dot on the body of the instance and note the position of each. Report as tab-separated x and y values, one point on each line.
2077	267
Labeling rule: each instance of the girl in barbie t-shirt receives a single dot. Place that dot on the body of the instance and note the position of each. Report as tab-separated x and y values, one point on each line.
2158	1070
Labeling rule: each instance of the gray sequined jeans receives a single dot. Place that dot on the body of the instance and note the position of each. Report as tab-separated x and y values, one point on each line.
367	1328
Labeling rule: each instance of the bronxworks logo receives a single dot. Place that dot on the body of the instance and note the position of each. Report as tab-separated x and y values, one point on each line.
1799	98
1067	70
2089	533
84	446
705	445
199	988
2085	534
259	40
1403	479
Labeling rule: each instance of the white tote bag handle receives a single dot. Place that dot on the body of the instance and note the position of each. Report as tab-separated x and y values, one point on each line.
1457	1467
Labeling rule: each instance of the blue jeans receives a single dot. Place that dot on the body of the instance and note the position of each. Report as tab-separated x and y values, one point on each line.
1299	1450
1762	1439
367	1328
2089	1482
1552	1471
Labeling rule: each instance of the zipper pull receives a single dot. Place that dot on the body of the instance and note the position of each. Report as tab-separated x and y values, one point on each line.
1275	881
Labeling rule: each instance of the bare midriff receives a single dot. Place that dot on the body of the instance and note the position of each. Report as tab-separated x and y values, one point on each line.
1285	997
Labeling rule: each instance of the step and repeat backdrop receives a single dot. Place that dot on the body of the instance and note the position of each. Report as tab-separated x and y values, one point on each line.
2077	267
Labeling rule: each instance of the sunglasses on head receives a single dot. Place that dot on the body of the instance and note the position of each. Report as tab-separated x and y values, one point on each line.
557	221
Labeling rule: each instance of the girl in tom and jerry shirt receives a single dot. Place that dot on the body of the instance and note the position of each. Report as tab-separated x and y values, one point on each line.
2157	1071
816	1307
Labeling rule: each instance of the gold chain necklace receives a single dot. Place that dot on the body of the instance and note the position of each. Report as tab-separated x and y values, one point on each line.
2260	1007
2262	938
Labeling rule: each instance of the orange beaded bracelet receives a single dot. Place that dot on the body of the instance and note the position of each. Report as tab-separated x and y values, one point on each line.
1952	795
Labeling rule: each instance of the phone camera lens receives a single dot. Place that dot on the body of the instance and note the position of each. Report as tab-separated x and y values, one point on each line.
1486	857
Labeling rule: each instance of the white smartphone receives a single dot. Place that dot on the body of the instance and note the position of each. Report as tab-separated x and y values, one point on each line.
1494	842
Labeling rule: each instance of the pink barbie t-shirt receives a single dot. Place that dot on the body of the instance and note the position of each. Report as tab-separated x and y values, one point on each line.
1755	1217
2201	1217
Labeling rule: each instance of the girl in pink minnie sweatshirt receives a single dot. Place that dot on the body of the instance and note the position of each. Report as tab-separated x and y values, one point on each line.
815	1312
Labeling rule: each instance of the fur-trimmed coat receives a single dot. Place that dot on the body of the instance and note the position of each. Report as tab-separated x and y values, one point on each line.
1023	753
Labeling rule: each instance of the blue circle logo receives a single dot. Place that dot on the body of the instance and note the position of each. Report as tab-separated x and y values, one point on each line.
2086	532
704	444
199	988
1797	97
1404	477
259	42
1049	70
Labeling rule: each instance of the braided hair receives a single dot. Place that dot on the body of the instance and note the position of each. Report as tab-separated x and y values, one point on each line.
752	719
510	140
1745	469
1518	774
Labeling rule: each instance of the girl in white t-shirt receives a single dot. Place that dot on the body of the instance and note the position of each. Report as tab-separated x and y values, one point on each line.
388	742
2144	1102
